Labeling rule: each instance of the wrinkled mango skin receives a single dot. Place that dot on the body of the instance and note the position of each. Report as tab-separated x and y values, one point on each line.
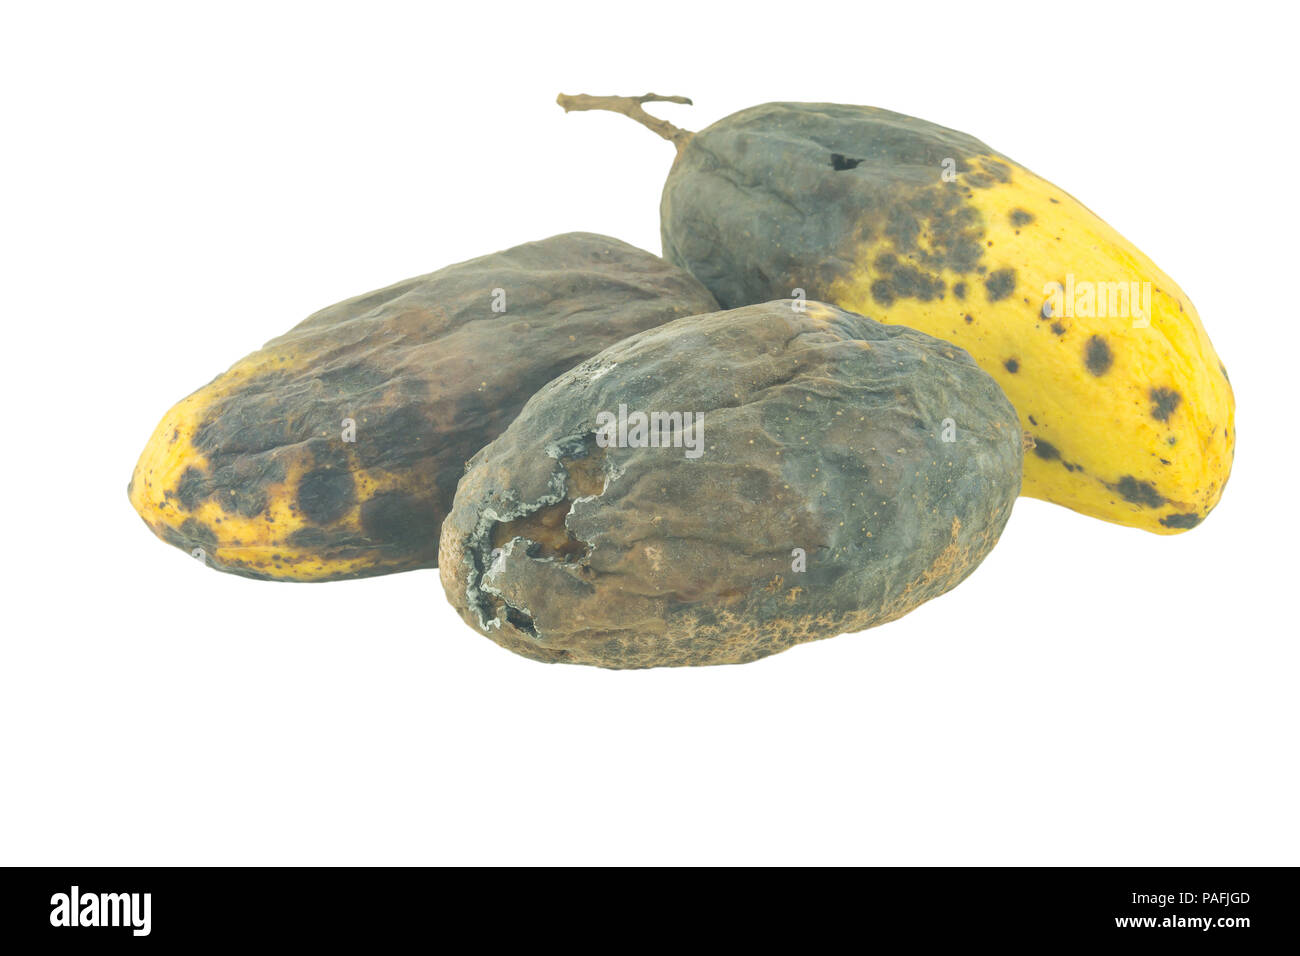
918	225
883	456
260	470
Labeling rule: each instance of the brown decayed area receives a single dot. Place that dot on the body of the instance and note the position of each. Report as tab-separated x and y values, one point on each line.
822	432
258	469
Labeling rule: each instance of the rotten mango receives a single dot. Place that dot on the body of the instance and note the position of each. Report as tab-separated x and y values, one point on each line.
334	451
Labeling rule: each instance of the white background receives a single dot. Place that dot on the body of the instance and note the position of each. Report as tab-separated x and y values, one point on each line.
181	185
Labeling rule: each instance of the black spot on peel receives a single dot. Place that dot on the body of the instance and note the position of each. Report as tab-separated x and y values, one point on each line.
909	282
247	503
1164	402
326	494
904	227
1181	521
1049	452
237	485
928	232
1097	356
191	488
249	437
1046	450
840	162
1033	420
1020	218
1224	372
1012	365
327	453
969	319
1000	284
959	290
1058	328
1138	492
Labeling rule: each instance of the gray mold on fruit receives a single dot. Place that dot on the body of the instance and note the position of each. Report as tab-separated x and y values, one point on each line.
778	197
822	433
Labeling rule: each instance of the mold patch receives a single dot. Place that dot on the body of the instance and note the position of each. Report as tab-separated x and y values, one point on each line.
539	529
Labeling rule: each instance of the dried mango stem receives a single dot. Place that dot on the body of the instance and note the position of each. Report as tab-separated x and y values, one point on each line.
631	106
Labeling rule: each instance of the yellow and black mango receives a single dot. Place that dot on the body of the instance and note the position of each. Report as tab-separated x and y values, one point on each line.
1102	354
334	451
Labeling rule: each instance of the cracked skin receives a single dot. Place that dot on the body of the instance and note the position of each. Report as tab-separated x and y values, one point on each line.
1133	425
